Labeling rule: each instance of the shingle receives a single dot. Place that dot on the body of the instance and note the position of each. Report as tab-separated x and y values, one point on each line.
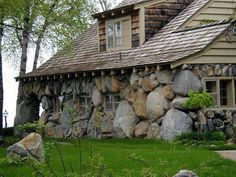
167	46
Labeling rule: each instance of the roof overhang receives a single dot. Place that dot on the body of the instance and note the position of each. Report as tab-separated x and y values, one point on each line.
113	12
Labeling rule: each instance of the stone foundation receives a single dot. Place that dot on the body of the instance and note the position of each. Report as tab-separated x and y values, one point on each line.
151	104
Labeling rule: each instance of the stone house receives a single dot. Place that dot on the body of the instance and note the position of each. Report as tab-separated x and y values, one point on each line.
129	74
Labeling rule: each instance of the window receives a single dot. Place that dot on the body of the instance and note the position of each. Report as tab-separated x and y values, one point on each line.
114	33
112	102
118	33
223	91
85	102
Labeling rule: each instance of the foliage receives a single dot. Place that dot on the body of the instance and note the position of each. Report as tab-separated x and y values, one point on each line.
72	113
8	131
112	158
31	127
205	136
199	100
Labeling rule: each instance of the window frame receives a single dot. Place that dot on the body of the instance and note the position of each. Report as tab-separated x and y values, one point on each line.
123	45
113	102
85	106
218	91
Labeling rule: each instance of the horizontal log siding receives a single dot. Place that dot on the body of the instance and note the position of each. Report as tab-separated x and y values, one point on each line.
217	10
157	16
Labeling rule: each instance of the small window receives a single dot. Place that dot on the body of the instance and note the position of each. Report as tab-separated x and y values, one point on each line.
114	34
226	93
223	91
85	102
112	102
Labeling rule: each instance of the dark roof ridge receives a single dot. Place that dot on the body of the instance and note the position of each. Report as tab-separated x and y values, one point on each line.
221	22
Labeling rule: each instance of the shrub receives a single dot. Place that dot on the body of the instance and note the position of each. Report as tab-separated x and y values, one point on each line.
206	136
8	131
31	127
199	100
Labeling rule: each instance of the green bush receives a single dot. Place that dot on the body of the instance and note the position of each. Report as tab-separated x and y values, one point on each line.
199	100
31	127
8	131
206	136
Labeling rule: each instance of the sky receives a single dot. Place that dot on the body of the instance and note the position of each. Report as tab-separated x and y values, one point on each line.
11	86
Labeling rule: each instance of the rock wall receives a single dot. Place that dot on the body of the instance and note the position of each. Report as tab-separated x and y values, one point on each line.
151	104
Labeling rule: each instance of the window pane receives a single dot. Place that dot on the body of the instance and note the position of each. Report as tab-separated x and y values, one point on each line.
226	93
211	88
109	107
117	98
82	101
118	28
110	29
109	98
110	41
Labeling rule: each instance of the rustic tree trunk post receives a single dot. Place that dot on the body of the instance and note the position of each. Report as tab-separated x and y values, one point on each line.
1	82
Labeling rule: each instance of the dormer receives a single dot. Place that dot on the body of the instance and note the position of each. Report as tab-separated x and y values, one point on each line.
132	23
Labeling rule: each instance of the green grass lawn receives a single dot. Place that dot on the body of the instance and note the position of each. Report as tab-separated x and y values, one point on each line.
135	155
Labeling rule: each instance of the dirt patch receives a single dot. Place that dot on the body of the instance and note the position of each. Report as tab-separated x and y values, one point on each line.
228	154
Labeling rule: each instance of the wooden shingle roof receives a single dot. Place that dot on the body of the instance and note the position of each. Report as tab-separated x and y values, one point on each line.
167	46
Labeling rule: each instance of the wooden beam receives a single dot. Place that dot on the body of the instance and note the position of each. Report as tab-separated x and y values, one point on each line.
123	71
54	77
48	78
68	75
158	67
93	73
103	16
113	72
41	78
123	11
84	74
76	75
61	76
113	14
35	78
102	73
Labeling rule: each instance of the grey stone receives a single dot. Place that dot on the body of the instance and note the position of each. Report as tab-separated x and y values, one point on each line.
27	113
229	116
225	70
210	114
185	81
66	87
178	103
165	77
125	120
55	118
107	121
43	118
31	145
141	130
134	79
168	92
106	82
175	123
139	105
234	119
217	70
154	131
219	124
202	120
229	131
186	173
96	97
94	124
76	86
47	103
57	88
210	125
156	104
209	71
147	84
193	116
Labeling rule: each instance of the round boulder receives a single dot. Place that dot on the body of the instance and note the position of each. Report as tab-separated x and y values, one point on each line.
186	173
125	120
175	123
185	81
156	104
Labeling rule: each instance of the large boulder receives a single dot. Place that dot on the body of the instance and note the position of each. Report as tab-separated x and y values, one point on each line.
141	130
179	103
134	78
115	84
164	77
43	118
47	103
168	92
31	145
175	123
140	104
154	131
54	130
148	84
156	104
186	173
125	120
96	97
185	81
26	113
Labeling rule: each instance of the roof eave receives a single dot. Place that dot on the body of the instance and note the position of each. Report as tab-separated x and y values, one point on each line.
109	13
